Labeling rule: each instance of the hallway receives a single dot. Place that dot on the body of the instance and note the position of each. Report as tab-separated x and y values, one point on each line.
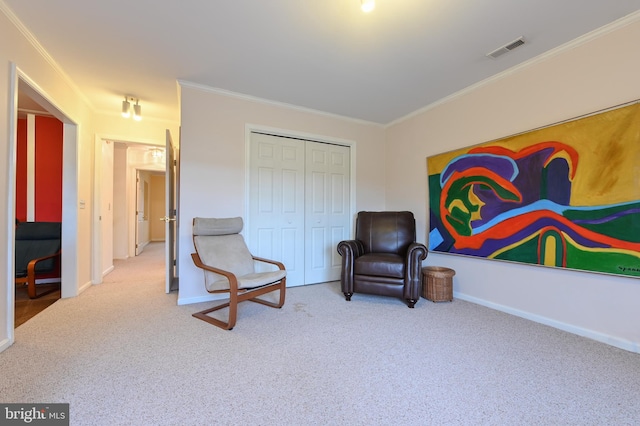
148	266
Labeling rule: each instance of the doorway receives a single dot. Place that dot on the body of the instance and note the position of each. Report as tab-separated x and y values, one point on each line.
150	208
134	181
299	204
25	92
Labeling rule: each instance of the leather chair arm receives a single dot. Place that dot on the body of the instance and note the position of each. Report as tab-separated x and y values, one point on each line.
349	250
416	253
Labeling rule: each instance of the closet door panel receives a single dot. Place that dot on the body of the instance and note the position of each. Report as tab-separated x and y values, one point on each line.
276	208
327	215
299	205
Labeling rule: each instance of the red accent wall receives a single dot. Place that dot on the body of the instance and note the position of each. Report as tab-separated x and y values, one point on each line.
48	170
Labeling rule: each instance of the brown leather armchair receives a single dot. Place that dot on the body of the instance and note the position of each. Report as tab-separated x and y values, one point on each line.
384	258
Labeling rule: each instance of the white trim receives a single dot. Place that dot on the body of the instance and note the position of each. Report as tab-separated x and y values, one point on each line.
615	25
255	99
31	168
84	286
108	270
200	299
70	202
70	206
5	343
28	35
96	228
580	331
9	332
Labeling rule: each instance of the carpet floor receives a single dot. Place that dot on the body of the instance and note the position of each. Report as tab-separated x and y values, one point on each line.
124	353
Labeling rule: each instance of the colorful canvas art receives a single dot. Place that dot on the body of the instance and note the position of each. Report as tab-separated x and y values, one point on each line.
566	196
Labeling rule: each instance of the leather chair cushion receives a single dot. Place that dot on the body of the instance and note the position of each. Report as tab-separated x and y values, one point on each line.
380	264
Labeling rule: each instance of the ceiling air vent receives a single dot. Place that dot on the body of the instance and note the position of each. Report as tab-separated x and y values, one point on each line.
506	48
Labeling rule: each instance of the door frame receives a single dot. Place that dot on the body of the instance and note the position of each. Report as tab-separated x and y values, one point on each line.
70	287
251	128
97	271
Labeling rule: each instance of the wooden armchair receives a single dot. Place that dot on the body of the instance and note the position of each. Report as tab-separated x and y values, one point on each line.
229	268
37	253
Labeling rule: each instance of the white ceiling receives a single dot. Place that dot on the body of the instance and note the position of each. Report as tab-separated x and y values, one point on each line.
324	55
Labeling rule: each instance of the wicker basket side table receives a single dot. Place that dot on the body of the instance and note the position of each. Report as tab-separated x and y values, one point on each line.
437	283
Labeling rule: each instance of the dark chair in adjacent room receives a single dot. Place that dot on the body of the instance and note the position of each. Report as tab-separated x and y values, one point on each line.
230	268
384	258
37	253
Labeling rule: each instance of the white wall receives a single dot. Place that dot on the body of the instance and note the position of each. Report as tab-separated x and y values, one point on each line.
120	220
597	72
16	49
81	125
212	162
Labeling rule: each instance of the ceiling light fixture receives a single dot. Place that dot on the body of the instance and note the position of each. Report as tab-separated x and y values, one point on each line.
367	5
126	108
156	154
137	113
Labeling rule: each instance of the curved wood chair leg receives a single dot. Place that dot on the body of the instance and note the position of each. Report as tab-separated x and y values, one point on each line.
203	315
348	296
411	302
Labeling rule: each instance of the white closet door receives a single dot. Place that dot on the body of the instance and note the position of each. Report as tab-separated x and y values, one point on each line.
298	205
276	198
326	209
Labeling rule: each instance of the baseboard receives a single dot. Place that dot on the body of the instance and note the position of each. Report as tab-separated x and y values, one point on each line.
4	344
200	299
109	269
84	287
594	335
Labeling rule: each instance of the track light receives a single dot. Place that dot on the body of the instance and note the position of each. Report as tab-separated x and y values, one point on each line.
137	114
126	108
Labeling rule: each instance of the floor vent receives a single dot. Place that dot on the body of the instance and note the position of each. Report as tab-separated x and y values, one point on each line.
506	48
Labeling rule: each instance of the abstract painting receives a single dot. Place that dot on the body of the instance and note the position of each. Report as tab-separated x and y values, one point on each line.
566	195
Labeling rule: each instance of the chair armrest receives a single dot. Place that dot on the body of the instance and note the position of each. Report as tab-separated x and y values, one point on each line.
416	253
31	273
233	280
31	266
350	248
280	265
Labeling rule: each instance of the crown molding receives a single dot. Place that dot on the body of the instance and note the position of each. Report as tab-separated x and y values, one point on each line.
28	35
599	32
242	96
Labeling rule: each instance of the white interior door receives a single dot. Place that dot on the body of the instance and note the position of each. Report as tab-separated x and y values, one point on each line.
326	209
139	211
171	215
276	202
298	205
